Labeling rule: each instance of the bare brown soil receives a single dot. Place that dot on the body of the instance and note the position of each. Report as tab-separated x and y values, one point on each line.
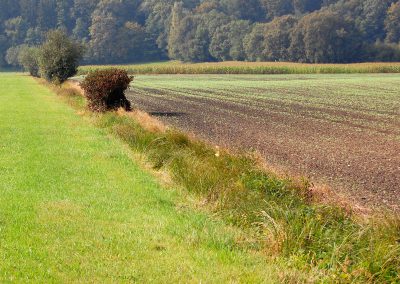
355	156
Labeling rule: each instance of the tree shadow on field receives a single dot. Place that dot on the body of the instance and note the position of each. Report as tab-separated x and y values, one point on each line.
167	114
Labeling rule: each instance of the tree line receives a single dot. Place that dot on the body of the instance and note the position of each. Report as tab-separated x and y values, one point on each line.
121	31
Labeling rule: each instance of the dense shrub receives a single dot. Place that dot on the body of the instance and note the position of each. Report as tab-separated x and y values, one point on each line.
28	59
12	55
105	90
385	52
59	57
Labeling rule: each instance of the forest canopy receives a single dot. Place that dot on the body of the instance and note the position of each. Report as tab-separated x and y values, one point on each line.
125	31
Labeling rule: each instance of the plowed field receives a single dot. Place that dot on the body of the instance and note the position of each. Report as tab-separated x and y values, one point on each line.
339	130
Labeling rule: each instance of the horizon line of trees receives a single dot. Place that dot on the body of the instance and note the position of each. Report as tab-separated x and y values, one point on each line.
121	31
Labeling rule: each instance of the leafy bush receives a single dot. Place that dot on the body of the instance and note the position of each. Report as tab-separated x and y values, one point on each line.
385	52
28	59
59	57
12	55
105	90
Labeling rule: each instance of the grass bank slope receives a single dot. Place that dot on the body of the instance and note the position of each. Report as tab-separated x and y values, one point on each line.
236	67
75	208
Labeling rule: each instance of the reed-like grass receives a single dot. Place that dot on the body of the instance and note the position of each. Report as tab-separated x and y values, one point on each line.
175	67
293	231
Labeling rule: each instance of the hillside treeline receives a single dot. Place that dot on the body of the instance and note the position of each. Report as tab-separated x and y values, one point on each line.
117	31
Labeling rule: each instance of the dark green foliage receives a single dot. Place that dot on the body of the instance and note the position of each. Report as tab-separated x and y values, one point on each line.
271	41
59	57
12	55
392	23
388	52
15	30
105	90
206	30
325	37
277	38
251	10
254	43
227	41
28	58
372	24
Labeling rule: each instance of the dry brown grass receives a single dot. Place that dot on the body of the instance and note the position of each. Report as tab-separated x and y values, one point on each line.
145	120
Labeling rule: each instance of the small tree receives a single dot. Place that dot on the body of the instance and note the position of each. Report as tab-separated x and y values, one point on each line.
59	57
13	54
105	90
28	59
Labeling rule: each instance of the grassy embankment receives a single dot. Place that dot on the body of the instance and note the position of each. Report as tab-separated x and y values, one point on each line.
278	214
175	67
74	207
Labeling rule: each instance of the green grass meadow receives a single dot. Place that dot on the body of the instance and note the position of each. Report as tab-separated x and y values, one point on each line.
75	207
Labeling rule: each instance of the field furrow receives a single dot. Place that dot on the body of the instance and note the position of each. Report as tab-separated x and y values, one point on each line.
340	130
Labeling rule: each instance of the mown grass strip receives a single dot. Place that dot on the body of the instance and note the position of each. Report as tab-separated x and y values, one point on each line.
175	67
284	221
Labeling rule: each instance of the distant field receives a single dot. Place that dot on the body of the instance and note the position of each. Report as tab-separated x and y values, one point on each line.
343	130
174	67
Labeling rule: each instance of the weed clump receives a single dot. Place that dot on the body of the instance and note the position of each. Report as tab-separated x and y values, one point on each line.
105	90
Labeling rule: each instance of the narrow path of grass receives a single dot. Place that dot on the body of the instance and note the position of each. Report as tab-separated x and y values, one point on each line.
75	208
